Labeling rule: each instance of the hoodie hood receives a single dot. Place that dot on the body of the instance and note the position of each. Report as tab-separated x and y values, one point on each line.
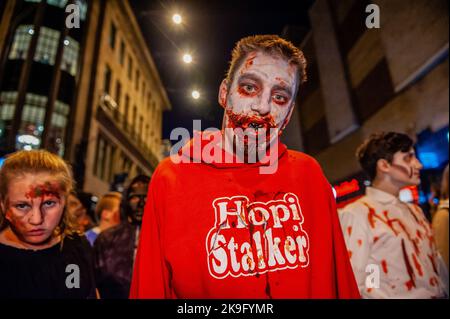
207	147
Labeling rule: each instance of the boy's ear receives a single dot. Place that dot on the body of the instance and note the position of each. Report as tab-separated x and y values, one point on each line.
223	92
3	211
288	117
383	165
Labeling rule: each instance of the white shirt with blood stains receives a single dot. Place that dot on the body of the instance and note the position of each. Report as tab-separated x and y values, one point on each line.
393	239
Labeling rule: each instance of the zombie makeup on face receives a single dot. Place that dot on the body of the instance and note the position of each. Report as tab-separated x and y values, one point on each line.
263	87
250	85
248	62
34	214
245	121
136	200
43	190
259	101
408	171
409	168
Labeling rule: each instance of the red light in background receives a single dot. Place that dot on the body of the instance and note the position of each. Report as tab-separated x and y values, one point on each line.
346	188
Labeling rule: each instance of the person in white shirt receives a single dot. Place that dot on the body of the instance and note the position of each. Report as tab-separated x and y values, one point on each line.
390	243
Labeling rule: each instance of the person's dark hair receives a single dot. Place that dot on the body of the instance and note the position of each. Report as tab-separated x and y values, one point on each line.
125	205
381	145
87	202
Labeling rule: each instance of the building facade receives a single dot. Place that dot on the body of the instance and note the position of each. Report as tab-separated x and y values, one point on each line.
363	80
101	109
39	67
122	126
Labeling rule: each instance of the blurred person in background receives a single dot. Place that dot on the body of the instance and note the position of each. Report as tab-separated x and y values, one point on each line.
108	214
89	201
384	233
42	253
115	248
79	212
440	219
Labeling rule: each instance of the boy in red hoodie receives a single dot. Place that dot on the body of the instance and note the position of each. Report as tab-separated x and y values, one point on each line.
217	228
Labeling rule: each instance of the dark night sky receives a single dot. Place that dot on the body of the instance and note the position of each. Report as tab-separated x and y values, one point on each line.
209	31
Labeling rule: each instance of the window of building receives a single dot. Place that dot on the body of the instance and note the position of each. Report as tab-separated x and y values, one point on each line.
81	4
107	80
149	99
141	126
147	132
138	74
134	117
58	127
57	3
70	56
112	36
8	102
104	155
153	110
118	92
99	156
127	109
122	52
126	163
130	67
47	46
32	122
113	163
22	39
108	161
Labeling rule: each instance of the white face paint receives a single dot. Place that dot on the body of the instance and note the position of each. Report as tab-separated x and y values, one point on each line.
261	95
405	168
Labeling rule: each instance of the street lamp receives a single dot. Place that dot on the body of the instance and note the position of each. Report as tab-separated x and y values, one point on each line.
195	94
176	18
187	58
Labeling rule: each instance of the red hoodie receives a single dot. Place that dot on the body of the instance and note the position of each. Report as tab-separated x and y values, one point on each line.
226	231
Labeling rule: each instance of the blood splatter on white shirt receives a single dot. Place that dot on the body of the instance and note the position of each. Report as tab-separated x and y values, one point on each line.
391	248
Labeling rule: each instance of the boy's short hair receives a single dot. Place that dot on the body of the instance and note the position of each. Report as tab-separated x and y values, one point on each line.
381	145
270	44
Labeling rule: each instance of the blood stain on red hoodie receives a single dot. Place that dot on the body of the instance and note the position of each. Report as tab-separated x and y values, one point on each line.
223	230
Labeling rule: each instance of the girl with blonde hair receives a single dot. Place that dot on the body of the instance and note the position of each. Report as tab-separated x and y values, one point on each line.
42	254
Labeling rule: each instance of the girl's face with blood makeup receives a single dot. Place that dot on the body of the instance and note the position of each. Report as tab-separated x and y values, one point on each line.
34	207
261	94
405	168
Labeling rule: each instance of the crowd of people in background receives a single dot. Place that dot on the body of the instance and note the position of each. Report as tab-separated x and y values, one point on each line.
45	227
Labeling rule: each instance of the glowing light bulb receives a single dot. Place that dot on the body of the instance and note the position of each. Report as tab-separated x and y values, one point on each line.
187	58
